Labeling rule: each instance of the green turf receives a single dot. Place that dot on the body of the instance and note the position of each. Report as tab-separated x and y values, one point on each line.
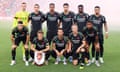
111	57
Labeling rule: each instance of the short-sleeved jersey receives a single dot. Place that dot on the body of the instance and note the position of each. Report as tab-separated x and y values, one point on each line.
76	40
60	43
21	15
52	21
36	20
20	33
40	44
80	20
91	33
67	21
98	22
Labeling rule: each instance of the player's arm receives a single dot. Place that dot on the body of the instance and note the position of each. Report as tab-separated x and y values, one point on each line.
105	27
43	18
13	36
69	46
33	47
27	39
12	39
82	46
29	18
47	46
54	48
46	49
27	36
60	21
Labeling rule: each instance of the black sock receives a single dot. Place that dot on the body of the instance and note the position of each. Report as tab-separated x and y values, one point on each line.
93	51
13	54
26	54
88	55
97	55
101	50
32	54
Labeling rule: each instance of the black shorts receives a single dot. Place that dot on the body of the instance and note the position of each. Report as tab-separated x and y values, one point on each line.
60	49
18	40
33	34
50	35
90	40
74	54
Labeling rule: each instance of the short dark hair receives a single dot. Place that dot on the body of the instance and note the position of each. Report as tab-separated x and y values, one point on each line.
97	7
40	32
51	4
23	3
75	25
80	6
60	29
90	22
20	22
65	4
37	5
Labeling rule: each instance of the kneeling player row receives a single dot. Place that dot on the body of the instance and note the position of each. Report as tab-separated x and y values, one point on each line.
75	46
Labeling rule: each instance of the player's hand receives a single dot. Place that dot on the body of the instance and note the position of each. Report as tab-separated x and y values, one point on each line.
106	35
68	50
58	54
78	50
40	52
26	46
61	53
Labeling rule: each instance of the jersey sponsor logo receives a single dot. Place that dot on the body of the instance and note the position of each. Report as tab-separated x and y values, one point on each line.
60	44
52	18
91	34
81	19
36	18
67	19
76	41
96	21
40	45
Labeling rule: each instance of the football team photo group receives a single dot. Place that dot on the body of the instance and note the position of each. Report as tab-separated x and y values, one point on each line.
75	38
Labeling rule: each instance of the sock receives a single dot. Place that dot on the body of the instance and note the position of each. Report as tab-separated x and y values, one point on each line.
13	54
26	54
101	50
97	55
93	51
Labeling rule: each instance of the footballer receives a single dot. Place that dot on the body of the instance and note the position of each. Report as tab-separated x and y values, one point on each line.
99	21
91	35
41	45
52	18
19	34
60	46
76	45
81	18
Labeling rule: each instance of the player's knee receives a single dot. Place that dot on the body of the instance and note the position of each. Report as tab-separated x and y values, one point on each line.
82	50
14	47
97	49
26	47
